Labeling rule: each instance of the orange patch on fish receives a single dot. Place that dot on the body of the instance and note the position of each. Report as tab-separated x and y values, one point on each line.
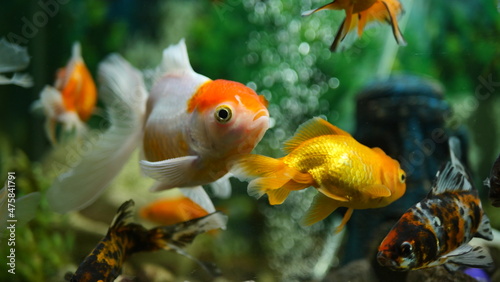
172	210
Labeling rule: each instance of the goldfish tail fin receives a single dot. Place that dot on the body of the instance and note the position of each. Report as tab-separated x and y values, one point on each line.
278	196
221	188
178	236
320	208
398	35
467	255
329	6
199	196
123	92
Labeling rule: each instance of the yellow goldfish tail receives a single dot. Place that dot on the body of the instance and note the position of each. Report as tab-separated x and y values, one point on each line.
269	176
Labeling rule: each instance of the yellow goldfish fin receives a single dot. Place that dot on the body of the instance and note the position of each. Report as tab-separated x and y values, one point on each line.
315	127
344	221
321	207
331	195
251	166
260	186
278	196
394	24
377	191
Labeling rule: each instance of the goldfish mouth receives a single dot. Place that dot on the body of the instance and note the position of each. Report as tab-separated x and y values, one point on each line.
261	113
389	263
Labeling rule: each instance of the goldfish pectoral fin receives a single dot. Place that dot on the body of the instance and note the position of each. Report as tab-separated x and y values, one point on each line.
338	38
344	221
260	186
329	6
320	208
377	191
312	128
50	130
484	231
199	196
175	172
222	187
278	196
467	255
250	166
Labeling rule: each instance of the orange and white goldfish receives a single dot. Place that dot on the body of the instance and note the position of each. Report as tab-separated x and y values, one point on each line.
172	210
71	101
189	127
345	172
493	182
125	238
436	231
362	12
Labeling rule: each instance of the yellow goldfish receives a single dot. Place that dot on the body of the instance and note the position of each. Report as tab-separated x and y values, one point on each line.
345	172
71	101
362	12
189	127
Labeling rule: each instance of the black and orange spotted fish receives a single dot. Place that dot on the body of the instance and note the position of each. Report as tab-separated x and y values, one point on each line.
494	183
123	239
437	230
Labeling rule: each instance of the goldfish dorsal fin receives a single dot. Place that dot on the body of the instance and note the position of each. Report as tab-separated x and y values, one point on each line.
312	128
453	176
175	59
320	208
467	255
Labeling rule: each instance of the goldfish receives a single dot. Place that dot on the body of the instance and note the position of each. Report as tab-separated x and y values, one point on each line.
71	101
493	182
345	172
436	231
172	210
362	12
125	238
14	58
189	127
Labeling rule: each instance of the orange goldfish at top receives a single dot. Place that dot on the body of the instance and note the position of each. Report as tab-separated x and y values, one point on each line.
362	12
172	210
72	99
345	172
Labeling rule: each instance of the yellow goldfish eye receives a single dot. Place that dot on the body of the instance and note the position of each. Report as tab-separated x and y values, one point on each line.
402	177
223	114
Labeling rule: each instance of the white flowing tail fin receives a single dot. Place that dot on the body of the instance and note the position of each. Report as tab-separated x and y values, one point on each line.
122	90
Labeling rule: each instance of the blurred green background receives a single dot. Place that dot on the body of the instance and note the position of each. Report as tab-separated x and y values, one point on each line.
268	46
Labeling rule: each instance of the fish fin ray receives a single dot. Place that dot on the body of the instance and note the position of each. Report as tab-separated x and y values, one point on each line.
222	187
124	94
315	127
324	7
344	221
172	172
377	191
321	207
484	231
199	196
278	196
260	186
331	195
467	255
398	35
175	59
123	215
250	166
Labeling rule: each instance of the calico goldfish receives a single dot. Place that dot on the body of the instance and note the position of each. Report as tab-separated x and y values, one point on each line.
493	182
345	172
125	238
71	101
172	210
189	127
360	13
436	231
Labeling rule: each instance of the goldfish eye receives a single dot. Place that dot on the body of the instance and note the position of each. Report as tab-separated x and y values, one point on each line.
223	114
403	177
406	249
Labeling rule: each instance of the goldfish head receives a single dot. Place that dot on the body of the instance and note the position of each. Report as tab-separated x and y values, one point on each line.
231	117
394	178
409	245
